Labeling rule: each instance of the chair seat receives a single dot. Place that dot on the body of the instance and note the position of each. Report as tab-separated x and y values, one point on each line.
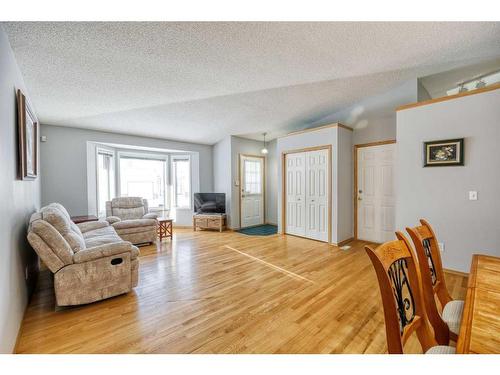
441	349
452	315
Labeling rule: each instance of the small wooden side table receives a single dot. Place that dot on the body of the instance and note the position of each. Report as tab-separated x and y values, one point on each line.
83	219
165	228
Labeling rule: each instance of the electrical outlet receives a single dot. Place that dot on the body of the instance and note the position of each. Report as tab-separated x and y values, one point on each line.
441	246
473	195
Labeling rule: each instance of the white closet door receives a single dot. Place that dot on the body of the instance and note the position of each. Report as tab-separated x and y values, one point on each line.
376	198
295	194
317	195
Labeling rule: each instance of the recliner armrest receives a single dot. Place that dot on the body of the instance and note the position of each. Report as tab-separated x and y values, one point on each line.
102	251
92	225
113	219
151	215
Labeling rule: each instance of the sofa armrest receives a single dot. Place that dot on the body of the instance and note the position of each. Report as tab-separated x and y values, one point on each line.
102	251
113	219
92	225
151	215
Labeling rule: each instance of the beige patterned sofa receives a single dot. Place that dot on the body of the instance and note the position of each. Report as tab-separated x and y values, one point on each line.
131	219
90	261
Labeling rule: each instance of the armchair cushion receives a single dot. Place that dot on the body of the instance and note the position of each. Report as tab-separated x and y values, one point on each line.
107	250
134	223
92	225
151	215
113	219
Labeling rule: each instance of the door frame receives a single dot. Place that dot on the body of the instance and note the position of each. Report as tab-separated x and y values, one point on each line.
240	178
283	188
355	191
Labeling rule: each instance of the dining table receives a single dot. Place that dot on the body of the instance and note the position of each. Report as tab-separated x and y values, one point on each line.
480	326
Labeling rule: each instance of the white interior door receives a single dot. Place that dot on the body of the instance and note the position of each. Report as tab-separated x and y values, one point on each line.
252	191
376	193
295	183
317	195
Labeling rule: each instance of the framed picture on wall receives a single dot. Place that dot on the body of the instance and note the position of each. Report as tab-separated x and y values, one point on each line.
444	153
28	139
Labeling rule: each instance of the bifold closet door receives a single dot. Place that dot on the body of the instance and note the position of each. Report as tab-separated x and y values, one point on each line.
295	184
306	203
317	195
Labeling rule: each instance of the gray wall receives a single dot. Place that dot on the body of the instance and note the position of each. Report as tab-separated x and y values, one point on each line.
64	161
226	171
440	194
18	200
239	146
272	183
222	172
374	118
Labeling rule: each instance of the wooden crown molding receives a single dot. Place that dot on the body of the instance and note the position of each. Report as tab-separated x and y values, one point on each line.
496	86
335	125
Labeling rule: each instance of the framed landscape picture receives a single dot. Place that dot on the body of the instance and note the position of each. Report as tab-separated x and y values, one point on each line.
28	139
449	152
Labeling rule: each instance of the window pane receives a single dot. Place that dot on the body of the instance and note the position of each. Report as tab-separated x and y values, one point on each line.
105	181
182	183
143	178
252	178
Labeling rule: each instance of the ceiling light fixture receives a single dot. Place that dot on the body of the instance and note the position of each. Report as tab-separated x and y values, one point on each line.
264	149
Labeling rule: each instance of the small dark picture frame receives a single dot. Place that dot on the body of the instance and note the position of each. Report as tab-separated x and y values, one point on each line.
28	139
444	153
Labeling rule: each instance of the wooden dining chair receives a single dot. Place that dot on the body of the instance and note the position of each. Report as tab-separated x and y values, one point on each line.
447	323
404	307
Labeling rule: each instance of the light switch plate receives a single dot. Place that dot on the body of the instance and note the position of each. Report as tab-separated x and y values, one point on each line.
473	195
441	246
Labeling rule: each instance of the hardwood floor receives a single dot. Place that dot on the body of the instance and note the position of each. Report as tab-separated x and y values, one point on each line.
210	292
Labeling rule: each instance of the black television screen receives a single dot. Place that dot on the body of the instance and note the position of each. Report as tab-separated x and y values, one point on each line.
210	203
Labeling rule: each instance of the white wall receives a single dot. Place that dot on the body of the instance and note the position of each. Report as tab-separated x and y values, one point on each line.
440	194
64	161
18	200
341	142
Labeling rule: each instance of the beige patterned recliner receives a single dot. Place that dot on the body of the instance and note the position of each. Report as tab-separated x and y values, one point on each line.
131	219
90	261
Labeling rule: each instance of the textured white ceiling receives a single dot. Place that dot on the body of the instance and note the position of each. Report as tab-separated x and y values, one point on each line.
201	81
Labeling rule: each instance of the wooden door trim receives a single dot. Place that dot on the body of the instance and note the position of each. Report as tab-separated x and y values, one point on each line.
355	158
240	177
283	186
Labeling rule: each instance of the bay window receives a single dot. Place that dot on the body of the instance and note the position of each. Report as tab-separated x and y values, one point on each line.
181	181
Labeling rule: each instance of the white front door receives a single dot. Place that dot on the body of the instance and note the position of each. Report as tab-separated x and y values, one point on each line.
252	190
295	184
317	195
376	195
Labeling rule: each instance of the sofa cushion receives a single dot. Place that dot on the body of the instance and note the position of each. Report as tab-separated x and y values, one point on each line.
101	236
59	218
54	240
134	223
140	229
